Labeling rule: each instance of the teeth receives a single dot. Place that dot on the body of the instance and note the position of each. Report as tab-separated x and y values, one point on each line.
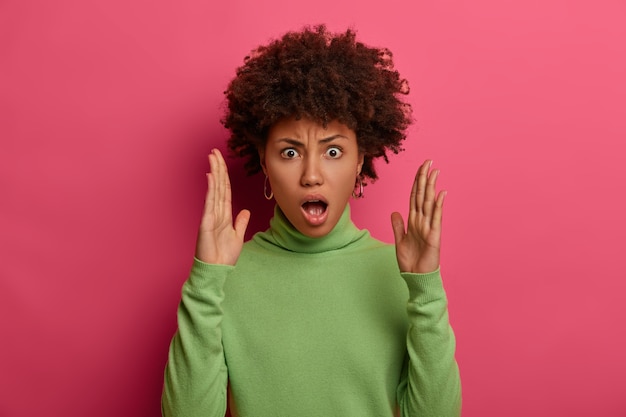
314	207
315	210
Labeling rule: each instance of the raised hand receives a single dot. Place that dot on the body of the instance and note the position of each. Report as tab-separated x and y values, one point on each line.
219	240
418	248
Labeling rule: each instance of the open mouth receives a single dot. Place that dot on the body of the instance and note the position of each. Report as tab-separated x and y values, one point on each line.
314	207
315	211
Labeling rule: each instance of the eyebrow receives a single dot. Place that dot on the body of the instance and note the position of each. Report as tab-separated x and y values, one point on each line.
296	142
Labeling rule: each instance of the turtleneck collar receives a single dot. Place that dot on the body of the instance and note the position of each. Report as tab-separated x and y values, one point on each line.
282	234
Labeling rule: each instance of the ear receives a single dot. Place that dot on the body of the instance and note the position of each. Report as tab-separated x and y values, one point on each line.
261	152
359	165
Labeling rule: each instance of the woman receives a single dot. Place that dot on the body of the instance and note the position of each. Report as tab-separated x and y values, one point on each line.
310	318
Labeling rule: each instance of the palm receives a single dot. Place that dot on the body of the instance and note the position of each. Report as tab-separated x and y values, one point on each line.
418	247
219	240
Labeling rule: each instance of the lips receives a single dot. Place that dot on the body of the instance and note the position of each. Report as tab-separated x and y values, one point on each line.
315	210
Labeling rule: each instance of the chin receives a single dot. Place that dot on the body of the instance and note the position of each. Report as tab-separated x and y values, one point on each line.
312	231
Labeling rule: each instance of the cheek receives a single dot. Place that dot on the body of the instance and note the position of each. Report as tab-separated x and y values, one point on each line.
344	177
284	184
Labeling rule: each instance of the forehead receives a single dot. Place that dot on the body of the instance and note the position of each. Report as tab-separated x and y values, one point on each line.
304	128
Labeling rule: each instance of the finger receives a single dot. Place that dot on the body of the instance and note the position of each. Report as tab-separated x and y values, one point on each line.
438	212
430	194
216	169
227	192
213	185
413	197
208	196
421	180
241	222
397	224
207	219
223	201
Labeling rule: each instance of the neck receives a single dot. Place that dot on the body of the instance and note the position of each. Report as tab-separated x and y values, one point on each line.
282	233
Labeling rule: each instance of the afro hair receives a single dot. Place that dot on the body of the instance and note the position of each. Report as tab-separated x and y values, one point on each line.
322	76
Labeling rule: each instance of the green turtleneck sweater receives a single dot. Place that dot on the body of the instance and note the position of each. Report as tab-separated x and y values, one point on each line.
312	327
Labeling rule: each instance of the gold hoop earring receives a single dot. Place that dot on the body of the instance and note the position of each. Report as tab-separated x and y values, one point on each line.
271	195
358	184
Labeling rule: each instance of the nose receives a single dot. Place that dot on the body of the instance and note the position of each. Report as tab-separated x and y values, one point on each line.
311	173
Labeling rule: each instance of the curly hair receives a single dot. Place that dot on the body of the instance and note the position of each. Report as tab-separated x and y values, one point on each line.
324	77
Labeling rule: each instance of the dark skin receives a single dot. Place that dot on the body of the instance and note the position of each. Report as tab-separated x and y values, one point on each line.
418	242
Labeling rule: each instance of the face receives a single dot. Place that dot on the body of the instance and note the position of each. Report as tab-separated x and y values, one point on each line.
312	171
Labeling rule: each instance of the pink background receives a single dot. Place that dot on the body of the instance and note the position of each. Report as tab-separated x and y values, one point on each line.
107	112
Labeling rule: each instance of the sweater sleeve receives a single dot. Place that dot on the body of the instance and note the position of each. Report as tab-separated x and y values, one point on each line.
430	385
196	375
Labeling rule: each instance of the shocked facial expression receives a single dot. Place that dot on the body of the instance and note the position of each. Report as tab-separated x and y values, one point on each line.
312	170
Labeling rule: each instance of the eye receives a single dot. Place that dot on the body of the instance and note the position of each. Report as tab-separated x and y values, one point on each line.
289	153
334	152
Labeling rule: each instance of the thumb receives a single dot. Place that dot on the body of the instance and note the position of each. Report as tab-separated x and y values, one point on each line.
397	223
241	222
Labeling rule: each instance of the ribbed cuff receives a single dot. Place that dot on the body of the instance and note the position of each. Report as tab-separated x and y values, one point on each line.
424	288
205	275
